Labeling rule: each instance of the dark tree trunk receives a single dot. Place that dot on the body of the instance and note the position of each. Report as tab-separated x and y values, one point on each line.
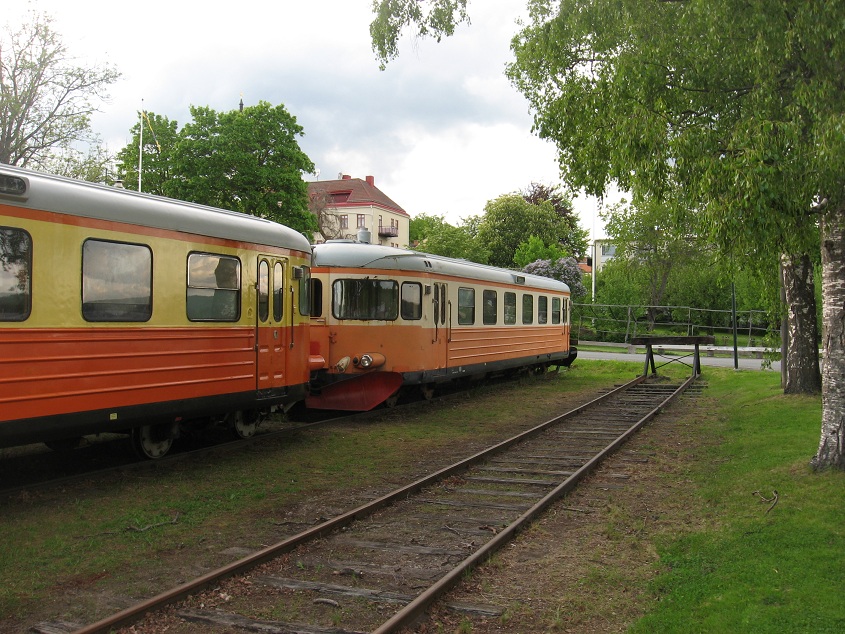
801	348
831	451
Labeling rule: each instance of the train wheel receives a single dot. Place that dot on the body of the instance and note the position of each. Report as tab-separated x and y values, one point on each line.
427	391
392	400
152	441
243	424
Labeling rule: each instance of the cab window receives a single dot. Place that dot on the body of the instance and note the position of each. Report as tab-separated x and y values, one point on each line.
365	299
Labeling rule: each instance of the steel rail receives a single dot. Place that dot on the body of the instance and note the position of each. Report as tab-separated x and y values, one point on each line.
415	608
134	613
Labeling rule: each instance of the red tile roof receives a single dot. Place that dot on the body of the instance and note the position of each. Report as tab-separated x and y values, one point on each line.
354	192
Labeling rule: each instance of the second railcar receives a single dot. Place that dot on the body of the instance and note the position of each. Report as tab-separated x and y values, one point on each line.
125	312
385	318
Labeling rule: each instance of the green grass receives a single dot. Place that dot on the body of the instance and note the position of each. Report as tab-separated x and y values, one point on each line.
748	569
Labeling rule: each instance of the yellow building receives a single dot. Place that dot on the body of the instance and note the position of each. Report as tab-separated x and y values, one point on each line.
355	209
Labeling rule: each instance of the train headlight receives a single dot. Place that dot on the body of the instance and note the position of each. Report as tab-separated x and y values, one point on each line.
341	365
369	360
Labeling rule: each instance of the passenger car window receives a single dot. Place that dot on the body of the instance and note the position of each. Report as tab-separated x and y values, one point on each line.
542	309
527	309
466	306
490	307
510	308
214	283
117	281
555	310
15	274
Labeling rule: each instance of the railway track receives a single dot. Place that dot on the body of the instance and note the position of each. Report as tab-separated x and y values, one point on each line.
378	567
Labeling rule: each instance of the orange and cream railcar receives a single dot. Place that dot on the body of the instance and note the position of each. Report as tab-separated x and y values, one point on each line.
386	318
125	312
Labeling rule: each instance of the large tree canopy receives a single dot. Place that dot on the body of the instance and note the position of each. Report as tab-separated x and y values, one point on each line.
246	160
46	100
737	107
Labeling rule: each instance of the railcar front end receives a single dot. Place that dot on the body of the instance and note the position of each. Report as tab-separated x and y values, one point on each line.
385	319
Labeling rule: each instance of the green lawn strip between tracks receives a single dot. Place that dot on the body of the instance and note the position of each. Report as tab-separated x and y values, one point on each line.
751	569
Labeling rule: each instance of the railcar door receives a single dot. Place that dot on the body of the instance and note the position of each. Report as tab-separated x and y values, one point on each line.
442	326
272	332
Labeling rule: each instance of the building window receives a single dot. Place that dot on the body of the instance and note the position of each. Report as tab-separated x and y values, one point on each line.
362	221
344	221
15	274
117	281
214	287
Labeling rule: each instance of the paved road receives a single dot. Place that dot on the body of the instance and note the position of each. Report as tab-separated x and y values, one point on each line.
724	362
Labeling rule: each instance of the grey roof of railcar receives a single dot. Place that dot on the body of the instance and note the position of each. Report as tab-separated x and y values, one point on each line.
351	254
91	200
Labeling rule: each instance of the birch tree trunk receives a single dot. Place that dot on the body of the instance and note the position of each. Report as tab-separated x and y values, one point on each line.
801	349
831	451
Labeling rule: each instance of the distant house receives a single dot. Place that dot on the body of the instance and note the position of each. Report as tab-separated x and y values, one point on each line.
603	250
353	208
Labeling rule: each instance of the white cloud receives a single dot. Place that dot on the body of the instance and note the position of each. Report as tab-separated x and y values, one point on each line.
442	130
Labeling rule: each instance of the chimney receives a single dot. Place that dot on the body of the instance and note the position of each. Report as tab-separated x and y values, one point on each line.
371	181
346	177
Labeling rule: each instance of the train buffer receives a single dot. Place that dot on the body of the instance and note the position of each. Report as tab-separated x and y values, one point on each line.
657	341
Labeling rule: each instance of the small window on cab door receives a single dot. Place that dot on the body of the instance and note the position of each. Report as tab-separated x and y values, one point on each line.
411	301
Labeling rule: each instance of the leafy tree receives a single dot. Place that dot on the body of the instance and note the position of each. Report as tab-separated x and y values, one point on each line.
434	18
509	219
45	99
564	269
92	164
434	235
246	160
573	238
160	144
732	106
535	249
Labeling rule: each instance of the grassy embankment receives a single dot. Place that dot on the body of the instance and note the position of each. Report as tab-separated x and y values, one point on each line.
756	566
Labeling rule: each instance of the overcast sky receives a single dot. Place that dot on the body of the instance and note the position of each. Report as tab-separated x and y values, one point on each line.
441	129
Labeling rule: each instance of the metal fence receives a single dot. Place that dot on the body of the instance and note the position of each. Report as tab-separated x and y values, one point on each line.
619	324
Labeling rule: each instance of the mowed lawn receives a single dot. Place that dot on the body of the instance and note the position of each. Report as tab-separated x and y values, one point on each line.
769	554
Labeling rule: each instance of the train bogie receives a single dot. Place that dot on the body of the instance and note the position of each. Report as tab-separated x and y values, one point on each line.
386	318
133	313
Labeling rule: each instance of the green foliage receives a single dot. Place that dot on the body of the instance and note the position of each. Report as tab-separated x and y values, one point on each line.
46	100
432	234
509	219
160	143
573	239
743	567
434	18
535	249
244	160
